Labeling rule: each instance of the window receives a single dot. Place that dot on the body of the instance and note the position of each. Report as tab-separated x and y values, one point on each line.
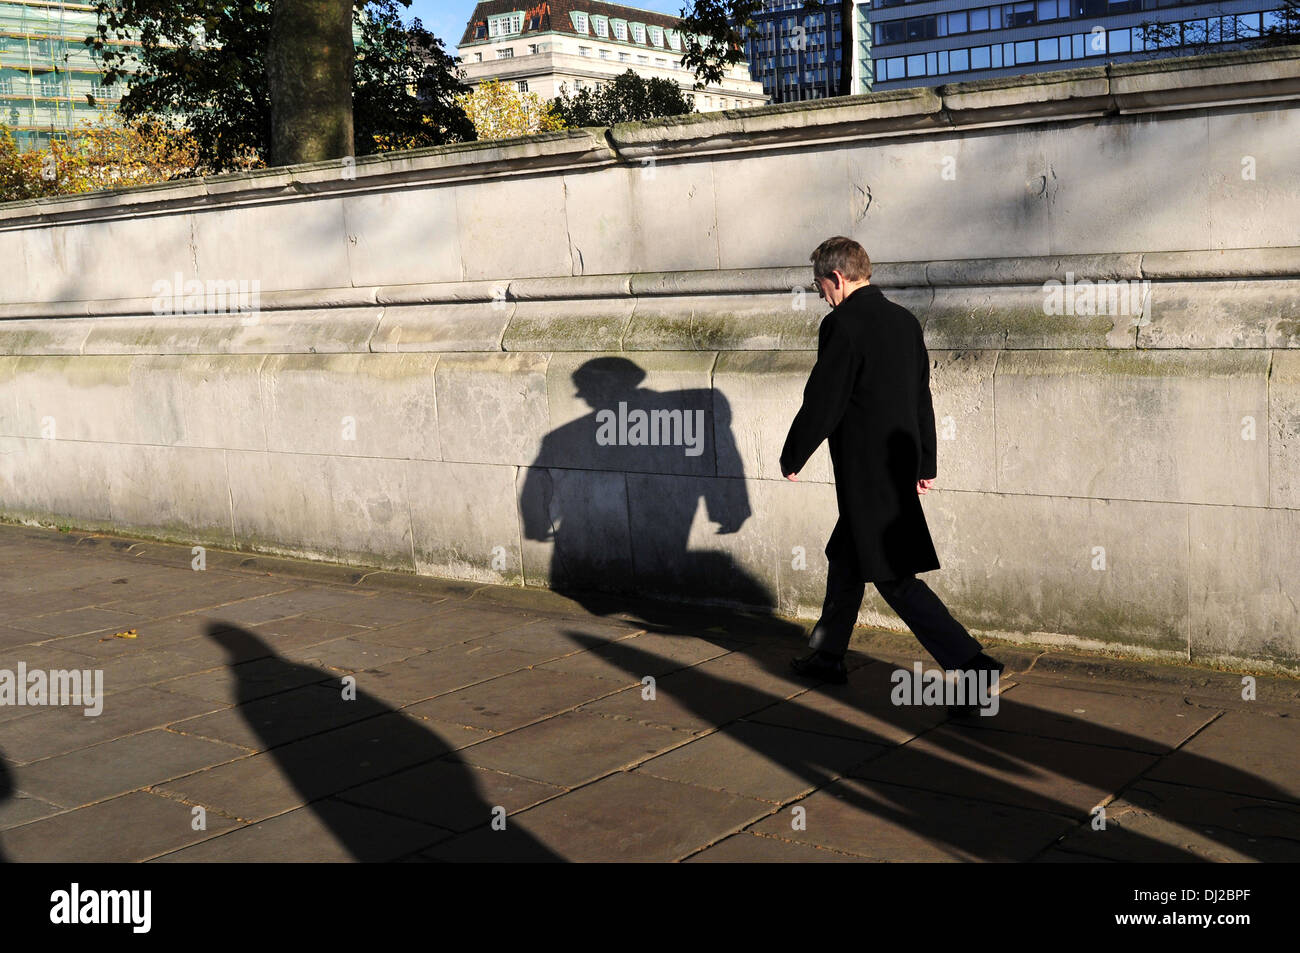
979	57
657	36
600	25
584	51
674	39
1046	10
507	25
957	22
638	32
505	54
579	22
604	54
979	19
1119	41
660	61
523	85
478	57
1019	14
532	48
1048	50
643	59
959	61
620	29
916	65
623	57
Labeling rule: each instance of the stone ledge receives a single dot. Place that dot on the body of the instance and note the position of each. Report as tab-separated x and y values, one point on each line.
1228	263
1261	75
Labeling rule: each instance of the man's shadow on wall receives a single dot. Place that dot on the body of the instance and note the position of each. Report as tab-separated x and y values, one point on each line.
616	493
606	530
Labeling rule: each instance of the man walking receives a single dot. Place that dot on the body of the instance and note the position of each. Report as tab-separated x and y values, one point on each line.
869	394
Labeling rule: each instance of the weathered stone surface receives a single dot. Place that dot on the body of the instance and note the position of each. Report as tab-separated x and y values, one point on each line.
492	408
393	235
463	521
1025	564
1284	430
1159	425
342	509
369	405
1243	580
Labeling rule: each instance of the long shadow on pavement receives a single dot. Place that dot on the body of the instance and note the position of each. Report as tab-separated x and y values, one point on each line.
381	785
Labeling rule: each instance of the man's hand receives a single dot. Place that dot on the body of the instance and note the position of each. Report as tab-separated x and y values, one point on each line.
792	477
923	486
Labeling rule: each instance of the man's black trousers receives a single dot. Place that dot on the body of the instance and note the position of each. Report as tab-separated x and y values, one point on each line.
916	604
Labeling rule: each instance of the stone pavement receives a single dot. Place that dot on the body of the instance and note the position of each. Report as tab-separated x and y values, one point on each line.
315	712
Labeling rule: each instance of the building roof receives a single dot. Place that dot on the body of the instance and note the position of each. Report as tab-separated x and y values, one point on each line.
552	16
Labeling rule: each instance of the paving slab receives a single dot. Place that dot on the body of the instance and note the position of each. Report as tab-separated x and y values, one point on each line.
246	681
438	672
280	719
119	766
765	762
451	794
860	710
133	827
53	731
751	848
318	767
572	748
890	822
386	610
1042	774
1239	753
1110	717
512	701
1168	823
624	817
332	831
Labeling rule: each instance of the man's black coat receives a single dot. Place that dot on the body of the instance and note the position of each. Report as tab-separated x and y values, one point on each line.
869	393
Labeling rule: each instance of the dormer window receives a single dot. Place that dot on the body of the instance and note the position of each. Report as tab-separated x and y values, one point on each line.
674	39
579	22
507	25
657	35
620	29
638	32
601	25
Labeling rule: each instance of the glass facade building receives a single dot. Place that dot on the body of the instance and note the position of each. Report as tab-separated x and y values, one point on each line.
796	53
930	42
47	75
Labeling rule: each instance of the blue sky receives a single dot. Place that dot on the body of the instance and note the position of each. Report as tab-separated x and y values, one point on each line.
447	18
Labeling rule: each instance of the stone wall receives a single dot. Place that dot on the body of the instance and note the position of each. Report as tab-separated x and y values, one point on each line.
415	388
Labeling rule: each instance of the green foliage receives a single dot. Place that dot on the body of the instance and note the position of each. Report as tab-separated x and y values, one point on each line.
711	36
629	98
204	61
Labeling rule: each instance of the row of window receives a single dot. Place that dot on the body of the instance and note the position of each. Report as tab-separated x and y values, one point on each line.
1006	16
619	29
1077	46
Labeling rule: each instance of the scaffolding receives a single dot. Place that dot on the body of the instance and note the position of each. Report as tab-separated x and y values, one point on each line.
50	81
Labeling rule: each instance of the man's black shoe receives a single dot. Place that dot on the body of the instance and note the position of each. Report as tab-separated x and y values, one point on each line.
818	664
980	663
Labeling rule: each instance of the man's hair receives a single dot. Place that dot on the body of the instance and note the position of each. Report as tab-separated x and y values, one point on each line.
843	255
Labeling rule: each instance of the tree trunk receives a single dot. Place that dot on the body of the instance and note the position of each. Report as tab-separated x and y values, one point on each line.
848	49
309	76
